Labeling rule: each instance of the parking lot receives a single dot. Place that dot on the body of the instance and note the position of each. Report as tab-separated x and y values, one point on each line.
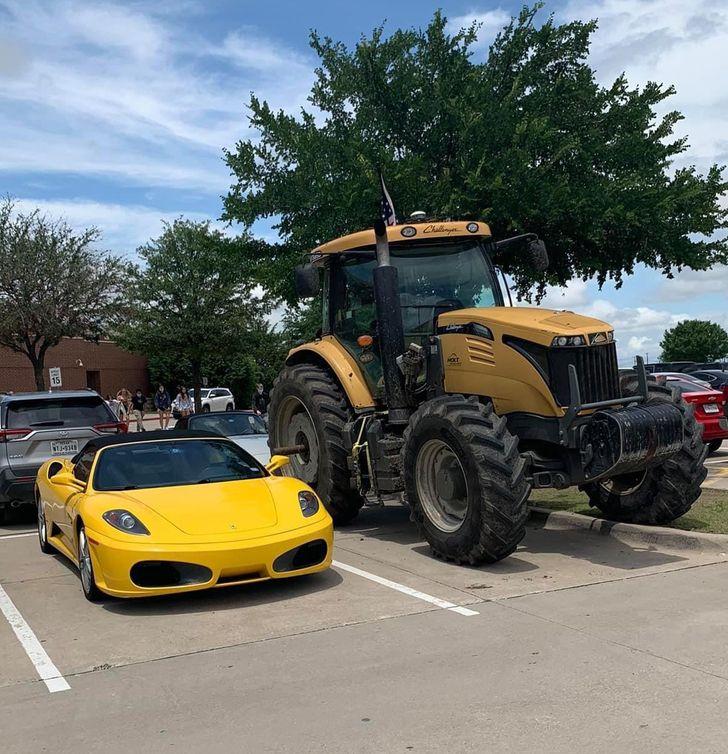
390	650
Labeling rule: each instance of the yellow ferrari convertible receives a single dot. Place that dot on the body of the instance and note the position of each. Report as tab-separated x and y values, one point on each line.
168	512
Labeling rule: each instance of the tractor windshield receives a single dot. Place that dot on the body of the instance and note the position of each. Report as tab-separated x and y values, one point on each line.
433	278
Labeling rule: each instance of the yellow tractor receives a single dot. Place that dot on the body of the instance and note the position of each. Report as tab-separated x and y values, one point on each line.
423	383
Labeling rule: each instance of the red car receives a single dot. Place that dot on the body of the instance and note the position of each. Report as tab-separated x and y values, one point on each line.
710	405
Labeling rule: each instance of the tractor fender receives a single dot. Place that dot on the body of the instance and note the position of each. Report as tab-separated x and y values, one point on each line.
330	353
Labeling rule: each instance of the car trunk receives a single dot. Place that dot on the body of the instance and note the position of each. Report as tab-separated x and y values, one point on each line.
38	429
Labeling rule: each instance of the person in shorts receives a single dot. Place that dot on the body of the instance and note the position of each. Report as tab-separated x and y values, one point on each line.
184	403
137	409
163	404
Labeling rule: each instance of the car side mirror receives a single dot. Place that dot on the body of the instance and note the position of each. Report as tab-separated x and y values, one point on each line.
538	254
277	462
67	479
306	281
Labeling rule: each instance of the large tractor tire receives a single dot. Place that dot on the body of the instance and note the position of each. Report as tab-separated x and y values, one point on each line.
661	493
465	481
307	407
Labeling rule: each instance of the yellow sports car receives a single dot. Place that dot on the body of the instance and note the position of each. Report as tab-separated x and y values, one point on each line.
168	512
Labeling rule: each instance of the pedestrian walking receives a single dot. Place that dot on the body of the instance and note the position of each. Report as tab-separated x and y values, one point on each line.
183	402
124	398
259	402
137	409
163	404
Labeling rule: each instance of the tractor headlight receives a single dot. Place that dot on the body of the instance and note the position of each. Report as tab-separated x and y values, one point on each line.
309	503
124	521
568	340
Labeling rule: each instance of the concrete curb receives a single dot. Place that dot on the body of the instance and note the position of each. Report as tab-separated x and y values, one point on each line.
638	534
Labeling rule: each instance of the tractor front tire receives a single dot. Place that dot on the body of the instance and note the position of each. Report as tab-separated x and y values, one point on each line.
308	408
661	493
465	481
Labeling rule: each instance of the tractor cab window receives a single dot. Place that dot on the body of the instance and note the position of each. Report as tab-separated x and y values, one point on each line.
433	278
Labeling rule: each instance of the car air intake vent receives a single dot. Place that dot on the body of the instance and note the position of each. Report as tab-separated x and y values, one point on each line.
596	368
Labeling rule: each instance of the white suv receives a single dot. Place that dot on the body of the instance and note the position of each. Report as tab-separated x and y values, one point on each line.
215	399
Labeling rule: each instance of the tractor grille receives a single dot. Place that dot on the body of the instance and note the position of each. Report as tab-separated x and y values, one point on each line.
596	368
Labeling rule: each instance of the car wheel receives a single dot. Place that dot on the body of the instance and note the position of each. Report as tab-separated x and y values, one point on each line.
86	568
42	527
229	407
714	446
205	409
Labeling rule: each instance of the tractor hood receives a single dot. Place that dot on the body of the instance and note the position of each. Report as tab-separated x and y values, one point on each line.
528	322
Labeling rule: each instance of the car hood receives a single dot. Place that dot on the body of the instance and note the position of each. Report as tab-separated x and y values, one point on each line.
203	510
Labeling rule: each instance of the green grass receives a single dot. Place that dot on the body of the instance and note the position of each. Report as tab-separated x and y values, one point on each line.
709	513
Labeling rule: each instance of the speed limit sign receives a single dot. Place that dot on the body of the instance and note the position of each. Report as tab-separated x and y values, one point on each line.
55	377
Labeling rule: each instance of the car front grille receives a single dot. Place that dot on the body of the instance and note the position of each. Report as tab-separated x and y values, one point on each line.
596	368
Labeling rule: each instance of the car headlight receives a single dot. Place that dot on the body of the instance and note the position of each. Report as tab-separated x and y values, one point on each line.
564	340
309	503
125	521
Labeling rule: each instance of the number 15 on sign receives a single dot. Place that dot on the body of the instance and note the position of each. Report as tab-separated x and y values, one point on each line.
55	377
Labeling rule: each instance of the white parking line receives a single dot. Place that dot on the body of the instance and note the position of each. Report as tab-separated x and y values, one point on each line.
406	590
22	534
44	666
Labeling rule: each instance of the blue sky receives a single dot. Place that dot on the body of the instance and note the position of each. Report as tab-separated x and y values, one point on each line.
115	114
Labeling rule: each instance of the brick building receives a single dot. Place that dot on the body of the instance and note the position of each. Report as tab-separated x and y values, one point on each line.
103	366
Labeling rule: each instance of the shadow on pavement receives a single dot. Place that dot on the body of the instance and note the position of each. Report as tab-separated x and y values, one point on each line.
391	523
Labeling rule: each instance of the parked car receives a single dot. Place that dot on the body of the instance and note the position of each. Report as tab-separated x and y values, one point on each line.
710	406
244	428
215	399
173	511
37	426
716	378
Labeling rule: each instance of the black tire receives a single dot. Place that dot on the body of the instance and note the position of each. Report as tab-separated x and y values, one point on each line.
492	516
45	547
229	407
88	584
714	446
205	409
307	406
661	493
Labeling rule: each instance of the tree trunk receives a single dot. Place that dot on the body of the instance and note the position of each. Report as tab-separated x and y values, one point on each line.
38	362
197	385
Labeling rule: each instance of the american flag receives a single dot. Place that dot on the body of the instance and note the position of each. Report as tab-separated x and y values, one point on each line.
387	208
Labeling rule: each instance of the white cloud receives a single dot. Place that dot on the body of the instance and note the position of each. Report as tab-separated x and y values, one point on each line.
689	284
673	42
124	227
572	296
490	22
107	88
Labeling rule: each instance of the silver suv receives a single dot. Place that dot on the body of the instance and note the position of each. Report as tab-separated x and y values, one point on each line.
36	426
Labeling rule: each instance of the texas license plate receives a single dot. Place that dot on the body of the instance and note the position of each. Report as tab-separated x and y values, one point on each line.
711	408
64	447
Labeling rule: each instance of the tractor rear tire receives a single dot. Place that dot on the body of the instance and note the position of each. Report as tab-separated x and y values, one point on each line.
307	407
465	481
661	493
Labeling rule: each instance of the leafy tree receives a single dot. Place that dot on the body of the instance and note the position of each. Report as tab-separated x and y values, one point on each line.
193	304
53	284
526	140
694	340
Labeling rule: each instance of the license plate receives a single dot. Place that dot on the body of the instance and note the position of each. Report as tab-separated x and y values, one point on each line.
711	408
64	447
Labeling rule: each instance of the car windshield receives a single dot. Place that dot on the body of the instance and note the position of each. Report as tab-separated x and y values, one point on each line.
228	424
688	386
82	411
171	463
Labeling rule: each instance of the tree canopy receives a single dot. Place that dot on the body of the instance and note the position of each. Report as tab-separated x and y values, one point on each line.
695	340
192	309
53	284
526	140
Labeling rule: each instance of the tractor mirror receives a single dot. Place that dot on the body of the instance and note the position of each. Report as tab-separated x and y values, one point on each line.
306	281
538	254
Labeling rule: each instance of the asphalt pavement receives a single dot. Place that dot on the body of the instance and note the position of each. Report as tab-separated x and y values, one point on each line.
578	640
